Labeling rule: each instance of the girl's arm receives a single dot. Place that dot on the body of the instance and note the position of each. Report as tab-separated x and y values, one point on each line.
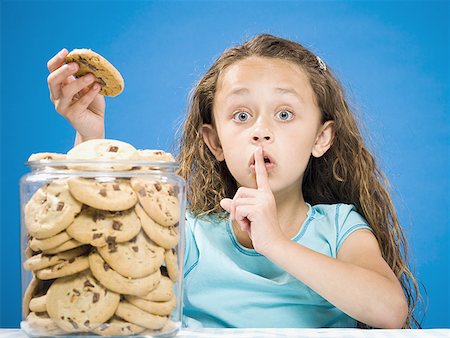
77	100
359	281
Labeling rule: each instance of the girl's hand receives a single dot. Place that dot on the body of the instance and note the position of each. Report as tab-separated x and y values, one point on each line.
255	209
76	99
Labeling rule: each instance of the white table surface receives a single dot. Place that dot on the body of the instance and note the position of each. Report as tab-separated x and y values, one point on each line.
298	333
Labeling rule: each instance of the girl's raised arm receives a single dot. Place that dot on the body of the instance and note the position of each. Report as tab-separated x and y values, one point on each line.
76	98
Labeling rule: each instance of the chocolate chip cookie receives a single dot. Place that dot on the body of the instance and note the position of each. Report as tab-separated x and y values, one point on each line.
106	74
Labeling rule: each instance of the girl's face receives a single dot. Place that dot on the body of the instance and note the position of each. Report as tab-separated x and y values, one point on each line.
268	103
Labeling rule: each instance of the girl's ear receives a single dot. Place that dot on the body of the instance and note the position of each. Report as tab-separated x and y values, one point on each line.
324	139
212	141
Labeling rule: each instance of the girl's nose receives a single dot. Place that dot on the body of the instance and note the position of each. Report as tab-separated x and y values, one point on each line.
260	134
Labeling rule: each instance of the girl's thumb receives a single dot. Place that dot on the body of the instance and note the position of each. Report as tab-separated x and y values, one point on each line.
226	204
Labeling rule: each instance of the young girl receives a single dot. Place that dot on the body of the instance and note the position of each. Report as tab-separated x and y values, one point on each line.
309	236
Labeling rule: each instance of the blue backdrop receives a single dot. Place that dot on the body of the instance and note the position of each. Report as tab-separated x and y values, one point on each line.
392	57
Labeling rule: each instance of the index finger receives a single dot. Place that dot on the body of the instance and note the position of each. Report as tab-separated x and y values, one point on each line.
262	179
57	61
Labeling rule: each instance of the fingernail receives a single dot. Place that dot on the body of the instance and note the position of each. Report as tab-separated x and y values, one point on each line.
96	86
88	78
61	52
73	66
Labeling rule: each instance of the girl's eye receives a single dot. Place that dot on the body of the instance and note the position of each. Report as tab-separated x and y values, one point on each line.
241	116
285	115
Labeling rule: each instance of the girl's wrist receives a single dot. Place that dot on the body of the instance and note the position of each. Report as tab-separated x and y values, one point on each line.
275	248
80	138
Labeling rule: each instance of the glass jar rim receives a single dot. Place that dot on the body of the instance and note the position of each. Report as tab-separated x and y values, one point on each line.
109	165
65	161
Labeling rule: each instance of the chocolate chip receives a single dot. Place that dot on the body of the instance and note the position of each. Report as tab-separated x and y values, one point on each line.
103	83
95	297
92	67
88	284
106	266
98	215
164	271
172	191
96	235
112	149
117	225
71	260
75	291
142	192
158	186
102	192
57	267
112	245
116	187
75	325
103	327
116	213
135	248
83	61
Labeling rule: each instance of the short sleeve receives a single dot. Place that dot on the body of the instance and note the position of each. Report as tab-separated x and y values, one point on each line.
190	246
347	221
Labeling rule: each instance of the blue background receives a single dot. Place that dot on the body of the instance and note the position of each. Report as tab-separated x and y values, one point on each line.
392	57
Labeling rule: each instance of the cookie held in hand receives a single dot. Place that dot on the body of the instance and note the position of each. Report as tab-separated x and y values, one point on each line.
106	74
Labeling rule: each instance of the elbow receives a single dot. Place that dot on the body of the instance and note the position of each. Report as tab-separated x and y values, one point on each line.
397	315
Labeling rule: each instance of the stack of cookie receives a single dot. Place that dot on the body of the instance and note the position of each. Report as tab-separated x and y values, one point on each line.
102	249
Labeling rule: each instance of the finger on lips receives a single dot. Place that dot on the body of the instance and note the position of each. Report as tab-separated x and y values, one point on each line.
262	182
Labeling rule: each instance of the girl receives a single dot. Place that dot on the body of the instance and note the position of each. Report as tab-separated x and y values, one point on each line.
309	236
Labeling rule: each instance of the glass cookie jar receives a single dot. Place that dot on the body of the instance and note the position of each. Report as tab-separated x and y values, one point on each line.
102	248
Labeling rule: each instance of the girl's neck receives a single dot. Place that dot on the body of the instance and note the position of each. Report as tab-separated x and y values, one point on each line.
292	211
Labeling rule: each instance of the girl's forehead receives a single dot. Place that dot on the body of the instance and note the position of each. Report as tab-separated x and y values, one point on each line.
256	68
254	71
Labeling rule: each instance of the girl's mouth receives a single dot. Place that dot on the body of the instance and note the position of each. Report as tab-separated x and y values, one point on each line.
268	161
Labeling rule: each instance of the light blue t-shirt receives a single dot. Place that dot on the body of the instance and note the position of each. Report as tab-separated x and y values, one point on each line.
228	285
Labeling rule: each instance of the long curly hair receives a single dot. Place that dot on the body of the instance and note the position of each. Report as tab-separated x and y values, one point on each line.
346	173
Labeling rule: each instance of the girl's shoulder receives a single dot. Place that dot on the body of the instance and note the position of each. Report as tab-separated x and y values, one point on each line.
212	219
340	214
335	222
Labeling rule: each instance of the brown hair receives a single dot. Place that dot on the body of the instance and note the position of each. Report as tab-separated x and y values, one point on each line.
347	173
